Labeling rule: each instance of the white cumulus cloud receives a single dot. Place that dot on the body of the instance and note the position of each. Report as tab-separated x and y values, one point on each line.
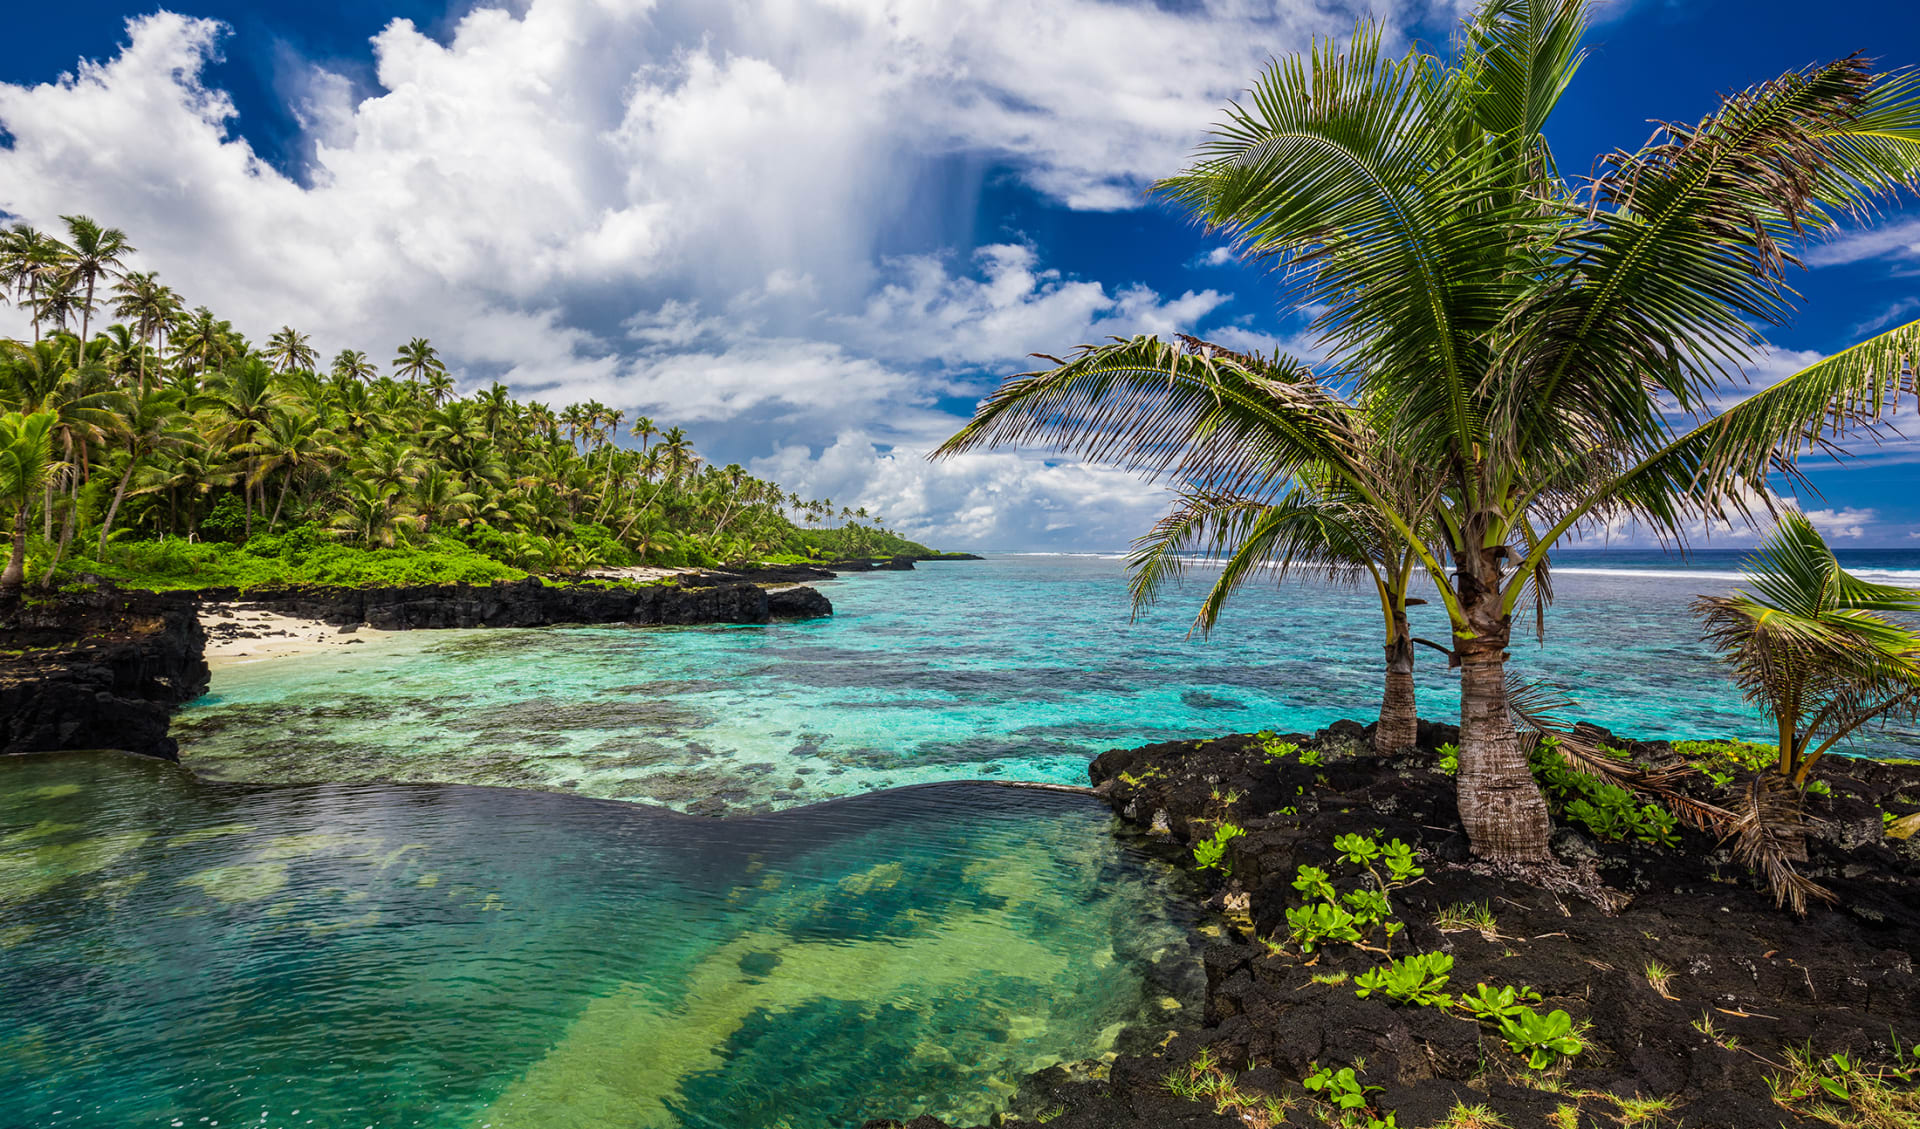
715	213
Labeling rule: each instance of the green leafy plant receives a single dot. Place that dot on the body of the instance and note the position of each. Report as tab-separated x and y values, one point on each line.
1414	980
1312	882
1313	925
1274	749
1492	1005
1339	1088
1208	853
1543	1039
1358	849
1449	760
1610	812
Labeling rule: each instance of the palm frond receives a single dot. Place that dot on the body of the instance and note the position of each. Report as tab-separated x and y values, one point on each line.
1221	419
1301	531
1687	239
1720	467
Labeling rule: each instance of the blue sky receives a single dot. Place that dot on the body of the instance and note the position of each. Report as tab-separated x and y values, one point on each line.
811	231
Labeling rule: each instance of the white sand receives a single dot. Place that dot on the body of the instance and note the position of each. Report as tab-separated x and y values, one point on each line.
638	573
278	635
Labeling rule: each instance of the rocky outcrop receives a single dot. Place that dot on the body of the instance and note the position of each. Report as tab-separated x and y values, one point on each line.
1696	937
532	603
105	669
798	602
97	670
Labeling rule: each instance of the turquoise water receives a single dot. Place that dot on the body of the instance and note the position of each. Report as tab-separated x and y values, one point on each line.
176	952
1017	667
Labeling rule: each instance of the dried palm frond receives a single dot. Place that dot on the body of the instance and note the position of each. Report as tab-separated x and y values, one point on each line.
1768	833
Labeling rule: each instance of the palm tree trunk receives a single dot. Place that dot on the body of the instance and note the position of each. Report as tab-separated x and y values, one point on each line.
16	573
66	538
1501	806
285	485
1399	716
119	495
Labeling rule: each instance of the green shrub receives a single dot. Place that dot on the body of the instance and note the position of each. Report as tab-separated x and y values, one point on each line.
1415	980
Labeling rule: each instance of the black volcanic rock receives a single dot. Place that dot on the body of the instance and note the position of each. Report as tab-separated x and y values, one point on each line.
798	603
1842	978
105	669
97	670
524	603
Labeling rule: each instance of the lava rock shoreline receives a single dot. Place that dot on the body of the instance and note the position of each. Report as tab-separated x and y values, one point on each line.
106	668
1736	983
97	670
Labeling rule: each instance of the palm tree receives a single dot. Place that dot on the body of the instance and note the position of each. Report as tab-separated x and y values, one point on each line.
29	261
54	303
369	513
27	466
288	350
643	430
417	359
146	423
352	364
1318	525
149	306
294	442
202	342
1526	342
439	387
96	253
1809	643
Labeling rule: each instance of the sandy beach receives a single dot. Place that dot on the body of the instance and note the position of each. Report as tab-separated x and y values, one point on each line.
239	634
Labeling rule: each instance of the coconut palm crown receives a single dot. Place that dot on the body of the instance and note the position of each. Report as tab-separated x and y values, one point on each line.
1551	354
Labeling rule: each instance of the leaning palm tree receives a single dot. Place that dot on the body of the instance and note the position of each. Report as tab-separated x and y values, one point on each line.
1528	342
27	466
1810	644
146	423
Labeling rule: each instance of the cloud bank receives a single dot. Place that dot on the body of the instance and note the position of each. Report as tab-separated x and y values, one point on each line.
715	214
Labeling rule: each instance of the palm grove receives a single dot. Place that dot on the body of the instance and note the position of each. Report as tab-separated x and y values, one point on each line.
1513	357
155	447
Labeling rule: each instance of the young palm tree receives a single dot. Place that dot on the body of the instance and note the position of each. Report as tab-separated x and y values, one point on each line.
1524	341
1810	644
96	253
27	466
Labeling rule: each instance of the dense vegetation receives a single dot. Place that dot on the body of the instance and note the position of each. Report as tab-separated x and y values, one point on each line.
1514	356
168	450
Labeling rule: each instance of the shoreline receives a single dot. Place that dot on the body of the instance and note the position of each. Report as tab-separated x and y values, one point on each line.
1654	937
239	635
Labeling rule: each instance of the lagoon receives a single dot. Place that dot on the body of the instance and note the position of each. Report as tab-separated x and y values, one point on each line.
1019	667
177	952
